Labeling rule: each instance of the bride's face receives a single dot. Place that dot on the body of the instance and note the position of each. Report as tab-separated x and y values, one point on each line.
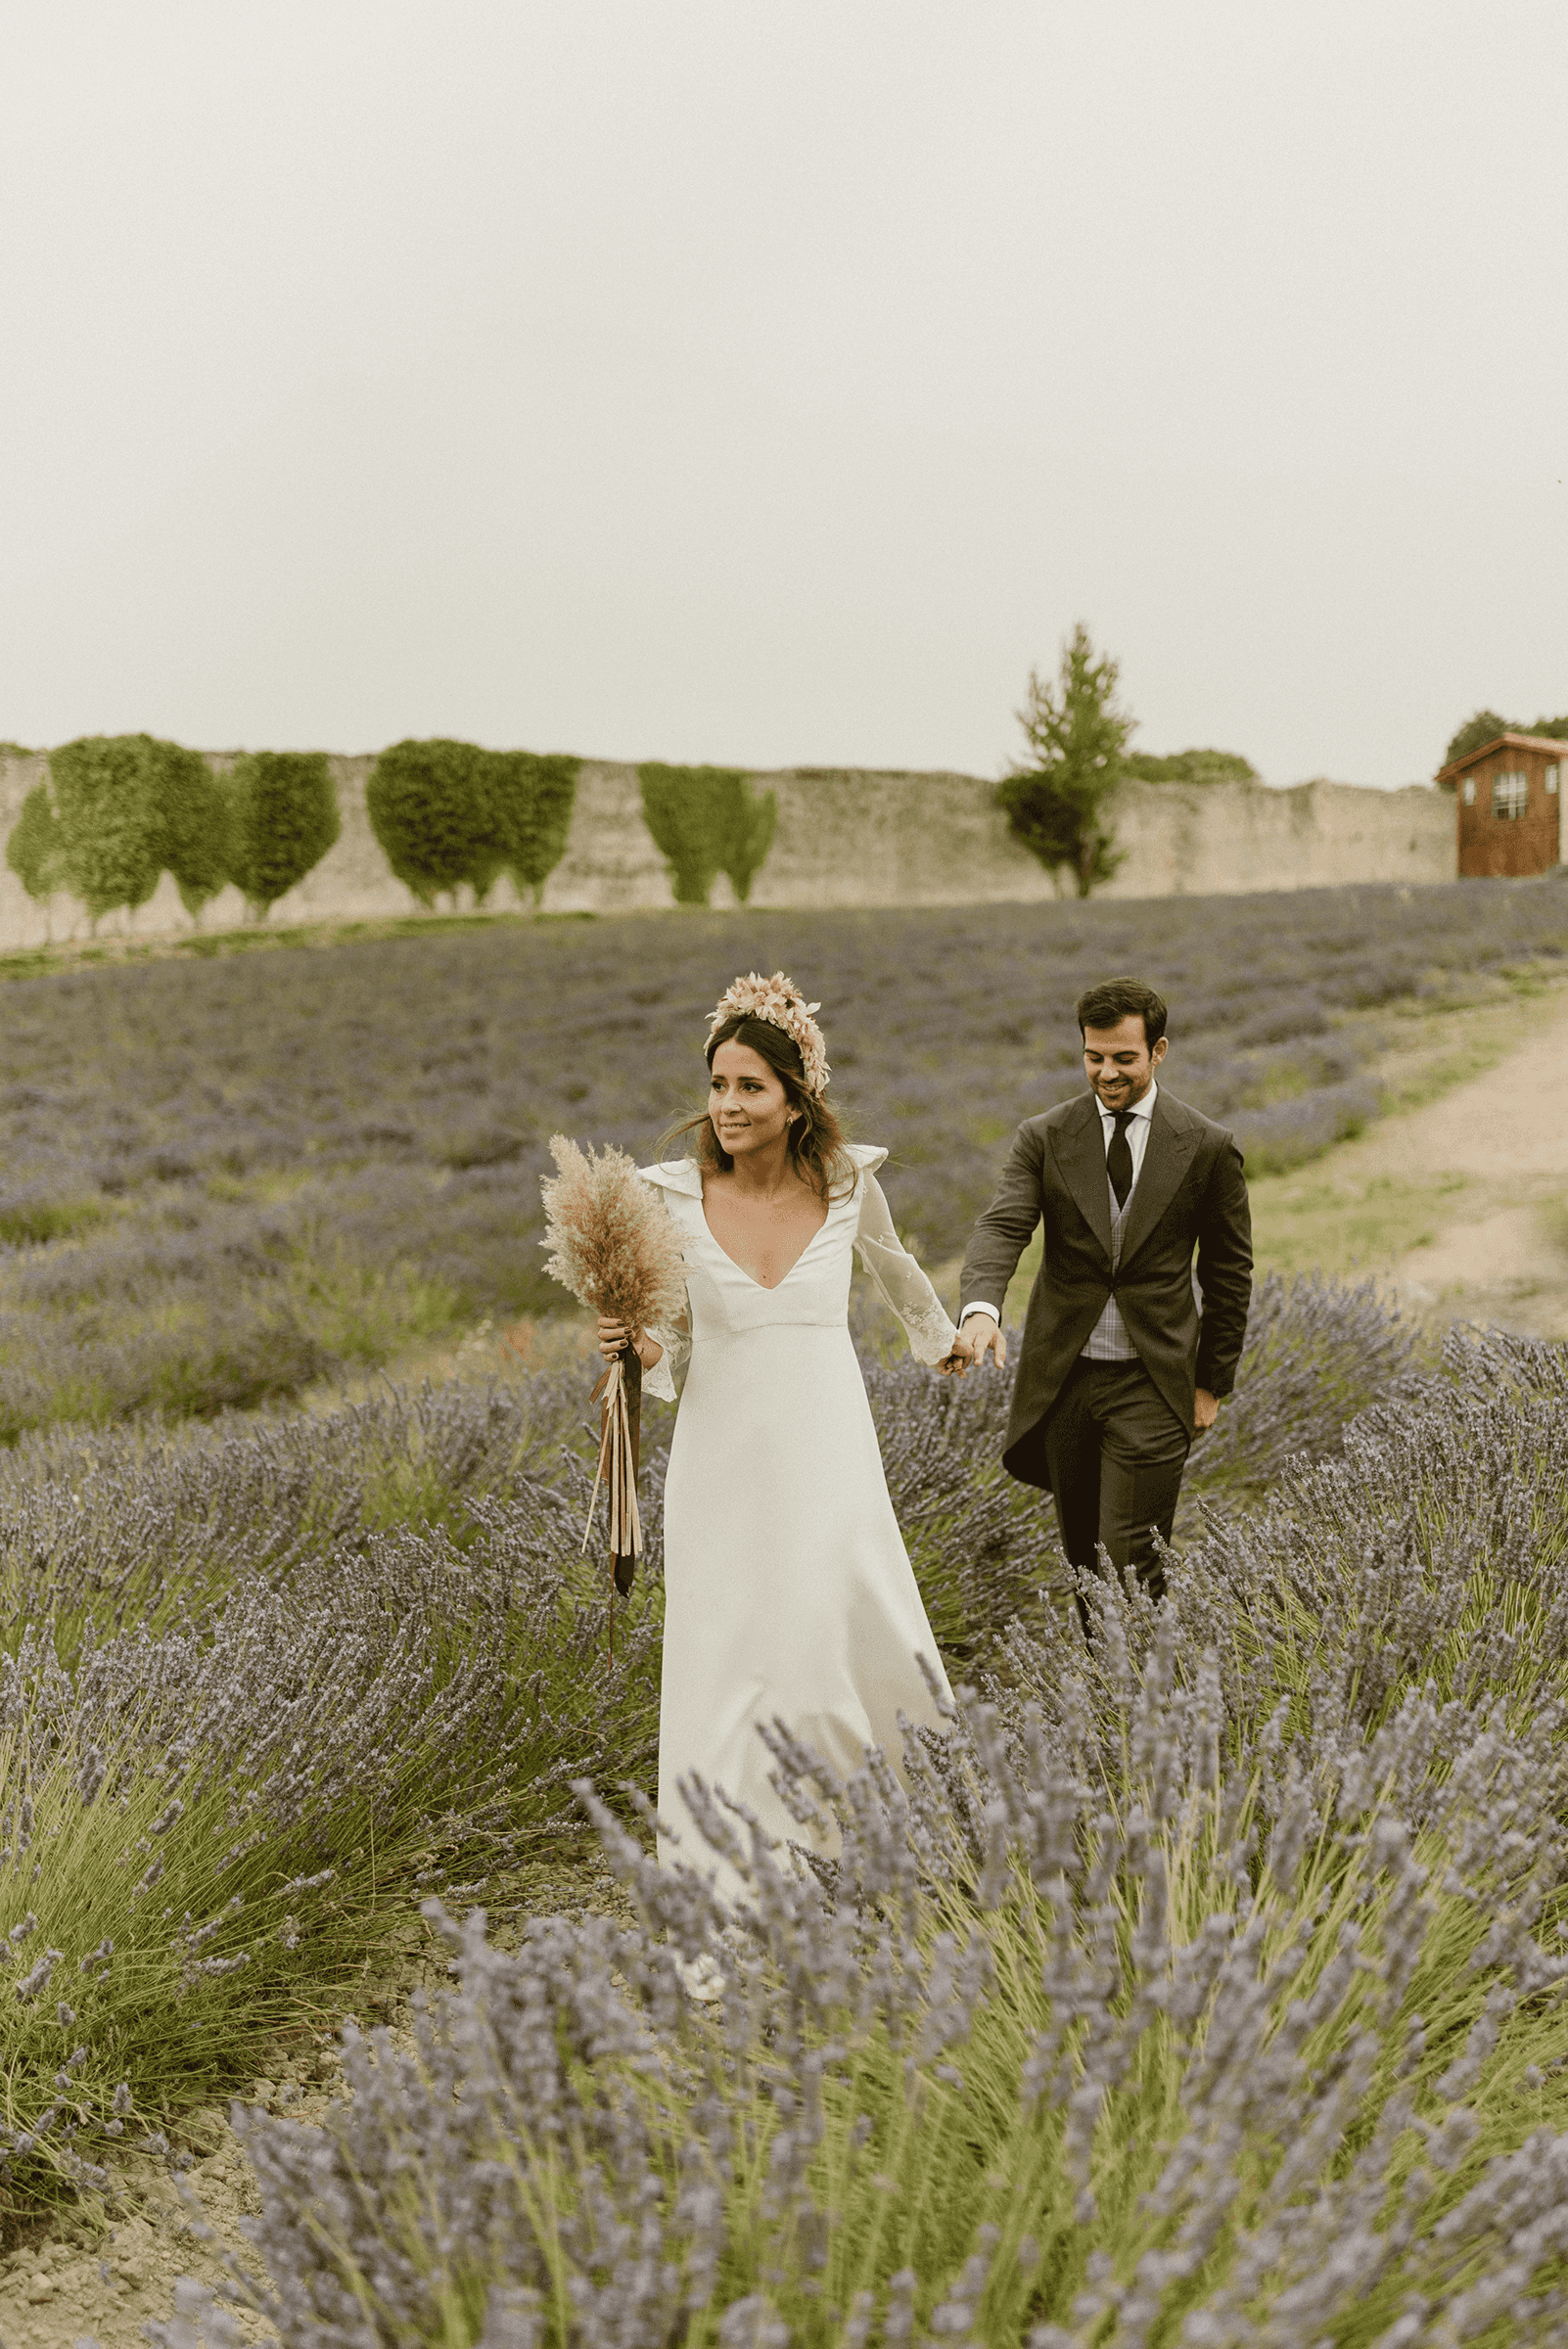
746	1103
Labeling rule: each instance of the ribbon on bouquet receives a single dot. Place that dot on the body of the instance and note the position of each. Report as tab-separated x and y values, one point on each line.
619	1394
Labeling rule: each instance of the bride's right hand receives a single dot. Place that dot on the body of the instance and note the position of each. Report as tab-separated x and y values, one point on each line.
613	1336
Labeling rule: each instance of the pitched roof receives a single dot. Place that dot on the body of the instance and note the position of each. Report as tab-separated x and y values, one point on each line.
1509	741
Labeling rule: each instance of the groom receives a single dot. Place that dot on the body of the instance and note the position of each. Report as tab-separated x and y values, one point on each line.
1125	1353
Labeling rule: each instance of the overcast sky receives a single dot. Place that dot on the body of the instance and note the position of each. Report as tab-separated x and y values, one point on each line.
773	381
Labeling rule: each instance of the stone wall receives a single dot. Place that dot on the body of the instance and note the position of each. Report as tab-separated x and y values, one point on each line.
844	838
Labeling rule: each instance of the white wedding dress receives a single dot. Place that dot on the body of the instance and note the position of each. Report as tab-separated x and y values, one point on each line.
788	1590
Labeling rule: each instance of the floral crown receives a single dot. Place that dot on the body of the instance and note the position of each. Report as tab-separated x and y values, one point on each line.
780	1002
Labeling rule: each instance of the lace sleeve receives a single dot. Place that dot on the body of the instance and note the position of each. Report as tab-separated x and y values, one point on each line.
668	1374
899	1280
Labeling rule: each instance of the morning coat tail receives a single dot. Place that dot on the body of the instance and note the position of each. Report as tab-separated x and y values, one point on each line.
1190	1196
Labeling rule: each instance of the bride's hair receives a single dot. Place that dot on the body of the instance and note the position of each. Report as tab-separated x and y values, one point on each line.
816	1144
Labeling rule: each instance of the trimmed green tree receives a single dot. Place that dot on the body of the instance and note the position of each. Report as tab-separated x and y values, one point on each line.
1058	804
111	824
197	817
36	847
284	810
130	805
534	793
754	820
431	806
707	820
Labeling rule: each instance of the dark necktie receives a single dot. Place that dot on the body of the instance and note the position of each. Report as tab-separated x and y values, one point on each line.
1119	1157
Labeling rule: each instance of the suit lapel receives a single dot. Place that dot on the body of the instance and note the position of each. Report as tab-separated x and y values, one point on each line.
1166	1155
1079	1148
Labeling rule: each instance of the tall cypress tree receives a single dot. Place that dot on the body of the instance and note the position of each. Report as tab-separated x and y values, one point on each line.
1057	805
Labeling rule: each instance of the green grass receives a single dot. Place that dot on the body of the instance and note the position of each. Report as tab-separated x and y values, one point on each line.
32	1223
1313	1222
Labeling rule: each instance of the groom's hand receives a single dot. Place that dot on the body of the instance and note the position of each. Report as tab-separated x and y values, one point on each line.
979	1336
1205	1411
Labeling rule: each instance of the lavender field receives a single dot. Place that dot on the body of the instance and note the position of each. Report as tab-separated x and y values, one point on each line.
1207	1989
229	1174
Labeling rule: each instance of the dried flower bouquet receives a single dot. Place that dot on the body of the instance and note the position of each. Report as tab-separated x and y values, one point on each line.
613	1245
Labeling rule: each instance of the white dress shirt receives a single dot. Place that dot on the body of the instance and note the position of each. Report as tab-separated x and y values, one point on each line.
1108	1341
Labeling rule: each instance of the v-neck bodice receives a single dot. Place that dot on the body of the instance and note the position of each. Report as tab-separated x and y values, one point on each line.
751	1277
725	1298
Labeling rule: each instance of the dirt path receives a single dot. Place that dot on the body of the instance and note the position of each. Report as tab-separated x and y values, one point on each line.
1462	1204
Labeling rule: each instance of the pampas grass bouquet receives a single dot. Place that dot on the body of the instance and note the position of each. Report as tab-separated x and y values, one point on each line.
614	1247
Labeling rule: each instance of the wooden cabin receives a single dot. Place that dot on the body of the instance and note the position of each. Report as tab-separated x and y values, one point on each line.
1510	796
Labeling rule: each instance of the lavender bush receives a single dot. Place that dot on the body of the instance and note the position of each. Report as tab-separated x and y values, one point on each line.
227	1173
257	1690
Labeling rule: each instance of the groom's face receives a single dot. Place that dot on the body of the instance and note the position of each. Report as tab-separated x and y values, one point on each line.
1117	1061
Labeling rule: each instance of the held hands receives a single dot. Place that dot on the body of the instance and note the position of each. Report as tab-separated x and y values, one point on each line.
979	1336
613	1336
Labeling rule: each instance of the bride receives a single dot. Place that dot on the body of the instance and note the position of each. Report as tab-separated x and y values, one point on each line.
788	1591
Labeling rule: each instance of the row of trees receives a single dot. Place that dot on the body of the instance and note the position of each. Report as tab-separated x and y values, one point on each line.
448	813
118	812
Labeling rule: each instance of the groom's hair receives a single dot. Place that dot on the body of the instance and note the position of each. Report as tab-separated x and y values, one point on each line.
1118	999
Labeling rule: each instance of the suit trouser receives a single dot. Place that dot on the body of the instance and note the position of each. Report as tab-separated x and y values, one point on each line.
1114	1451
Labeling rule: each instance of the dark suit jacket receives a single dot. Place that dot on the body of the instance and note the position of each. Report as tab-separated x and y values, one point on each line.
1191	1194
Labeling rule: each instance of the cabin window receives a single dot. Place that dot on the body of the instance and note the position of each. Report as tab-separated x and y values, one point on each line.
1469	791
1510	796
1553	773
